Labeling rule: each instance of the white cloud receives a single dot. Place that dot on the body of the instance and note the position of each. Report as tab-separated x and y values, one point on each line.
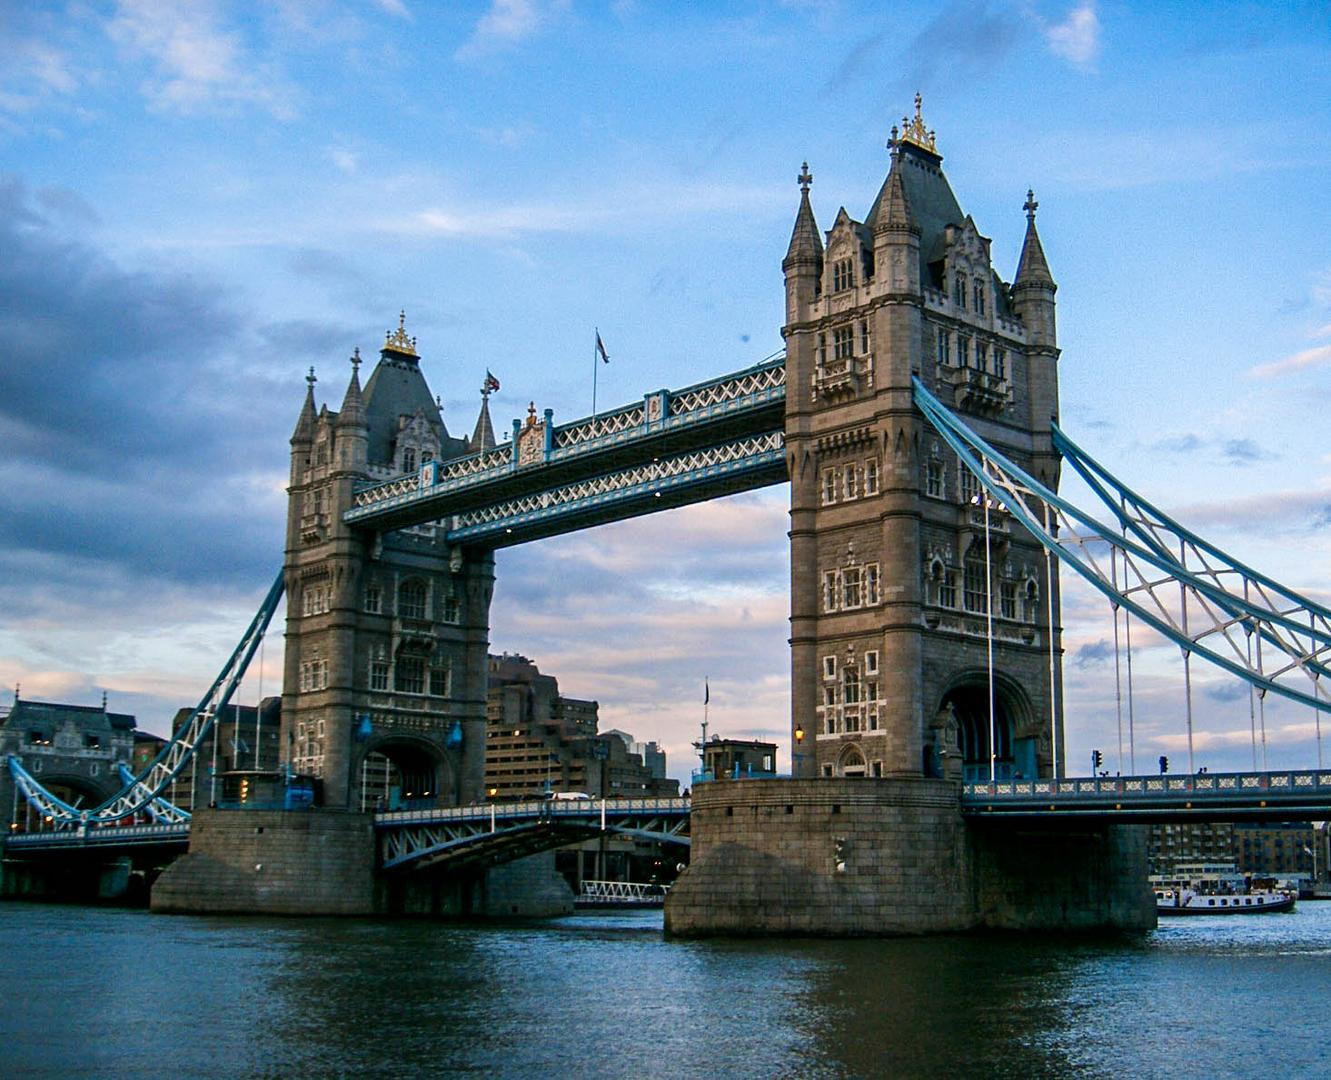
346	160
1305	358
507	23
395	7
200	65
1077	37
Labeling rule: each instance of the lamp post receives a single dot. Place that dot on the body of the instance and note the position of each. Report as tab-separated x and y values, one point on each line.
797	756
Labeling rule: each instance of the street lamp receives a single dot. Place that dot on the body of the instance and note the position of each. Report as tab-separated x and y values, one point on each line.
799	745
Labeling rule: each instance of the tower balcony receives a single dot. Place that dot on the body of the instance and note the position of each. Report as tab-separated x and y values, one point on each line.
843	377
976	390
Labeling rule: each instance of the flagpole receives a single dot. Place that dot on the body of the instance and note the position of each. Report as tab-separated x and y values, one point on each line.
596	357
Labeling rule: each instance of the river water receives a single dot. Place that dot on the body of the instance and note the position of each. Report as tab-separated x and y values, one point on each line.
113	993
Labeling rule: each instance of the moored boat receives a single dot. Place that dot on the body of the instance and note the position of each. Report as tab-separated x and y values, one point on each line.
1216	889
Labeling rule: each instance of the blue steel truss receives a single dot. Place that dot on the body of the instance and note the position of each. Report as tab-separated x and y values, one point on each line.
674	447
144	791
1195	611
485	835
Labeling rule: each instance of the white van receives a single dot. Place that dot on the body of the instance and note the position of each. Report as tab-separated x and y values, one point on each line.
569	796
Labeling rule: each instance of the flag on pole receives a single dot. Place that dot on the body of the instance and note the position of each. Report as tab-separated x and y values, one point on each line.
491	383
706	692
600	348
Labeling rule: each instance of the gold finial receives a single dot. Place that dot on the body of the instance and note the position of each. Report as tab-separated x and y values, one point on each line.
805	178
397	341
914	131
531	414
1030	206
355	360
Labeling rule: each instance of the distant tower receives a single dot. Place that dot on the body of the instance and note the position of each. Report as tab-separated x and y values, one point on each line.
387	635
889	589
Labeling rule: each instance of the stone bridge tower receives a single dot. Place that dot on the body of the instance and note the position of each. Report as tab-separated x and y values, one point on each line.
892	595
386	635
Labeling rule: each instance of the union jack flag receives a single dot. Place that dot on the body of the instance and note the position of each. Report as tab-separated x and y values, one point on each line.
491	383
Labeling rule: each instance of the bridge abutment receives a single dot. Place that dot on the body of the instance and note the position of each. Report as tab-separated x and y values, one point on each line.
863	856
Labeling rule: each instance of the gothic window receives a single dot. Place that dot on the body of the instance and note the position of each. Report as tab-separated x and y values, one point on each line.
1030	602
933	478
440	679
947	589
319	500
830	594
410	675
1000	363
373	599
409	459
978	296
378	674
973	586
970	484
871	584
866	338
451	609
944	346
871	666
829	486
851	594
963	351
850	478
871	476
1007	600
981	356
959	292
843	343
843	274
829	667
411	600
822	350
321	453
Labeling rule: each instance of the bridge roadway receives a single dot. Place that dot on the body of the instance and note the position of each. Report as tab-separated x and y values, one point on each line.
719	437
486	835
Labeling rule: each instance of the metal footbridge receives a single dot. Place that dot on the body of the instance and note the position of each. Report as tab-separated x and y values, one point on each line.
486	835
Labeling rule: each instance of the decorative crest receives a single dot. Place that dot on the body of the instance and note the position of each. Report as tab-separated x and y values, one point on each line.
397	341
355	360
1030	205
805	178
914	131
310	378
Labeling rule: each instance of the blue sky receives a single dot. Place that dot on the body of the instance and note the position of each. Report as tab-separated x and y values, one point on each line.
197	202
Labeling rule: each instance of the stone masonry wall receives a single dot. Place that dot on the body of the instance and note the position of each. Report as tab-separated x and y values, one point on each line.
852	856
864	856
273	862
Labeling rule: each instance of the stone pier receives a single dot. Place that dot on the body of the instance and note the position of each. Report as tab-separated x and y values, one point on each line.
861	856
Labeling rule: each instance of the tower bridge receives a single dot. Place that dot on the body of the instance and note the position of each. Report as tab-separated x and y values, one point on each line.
914	415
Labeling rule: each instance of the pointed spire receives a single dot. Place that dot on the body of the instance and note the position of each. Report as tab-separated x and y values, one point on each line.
483	437
1033	269
305	425
806	245
352	413
893	204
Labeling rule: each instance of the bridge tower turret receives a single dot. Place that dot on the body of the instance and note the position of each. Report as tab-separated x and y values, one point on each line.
893	598
387	635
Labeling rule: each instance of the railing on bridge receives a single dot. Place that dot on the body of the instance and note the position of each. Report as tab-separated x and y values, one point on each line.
1272	795
657	419
98	836
621	894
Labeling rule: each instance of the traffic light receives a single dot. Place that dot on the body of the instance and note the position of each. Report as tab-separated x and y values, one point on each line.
1097	759
1164	764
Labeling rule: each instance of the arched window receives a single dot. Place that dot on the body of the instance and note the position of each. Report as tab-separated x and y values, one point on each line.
959	292
411	599
409	459
1030	603
974	592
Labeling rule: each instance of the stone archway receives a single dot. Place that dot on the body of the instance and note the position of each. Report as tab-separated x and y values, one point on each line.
399	772
968	701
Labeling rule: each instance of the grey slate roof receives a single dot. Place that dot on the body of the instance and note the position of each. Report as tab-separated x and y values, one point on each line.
398	388
26	715
932	203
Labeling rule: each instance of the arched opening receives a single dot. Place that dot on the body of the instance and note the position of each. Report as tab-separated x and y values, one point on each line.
403	774
970	705
851	762
78	792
